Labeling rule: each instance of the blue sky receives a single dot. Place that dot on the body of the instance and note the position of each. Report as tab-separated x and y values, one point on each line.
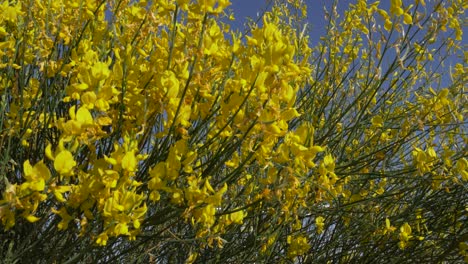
249	8
317	24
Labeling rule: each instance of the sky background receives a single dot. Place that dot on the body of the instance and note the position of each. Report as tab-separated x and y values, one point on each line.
249	8
243	9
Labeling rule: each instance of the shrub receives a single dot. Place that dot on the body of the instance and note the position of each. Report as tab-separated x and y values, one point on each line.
149	131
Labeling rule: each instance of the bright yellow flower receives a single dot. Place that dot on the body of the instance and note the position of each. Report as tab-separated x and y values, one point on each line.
407	19
84	117
32	218
405	235
64	163
129	162
395	7
237	217
10	13
36	176
100	71
102	239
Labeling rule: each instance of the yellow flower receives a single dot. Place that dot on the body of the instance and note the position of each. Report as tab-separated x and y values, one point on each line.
395	7
289	114
377	121
102	239
319	222
298	245
461	167
66	218
58	192
32	218
36	176
170	84
237	217
48	152
64	163
388	24
84	117
100	71
121	229
405	235
10	13
129	162
388	227
407	19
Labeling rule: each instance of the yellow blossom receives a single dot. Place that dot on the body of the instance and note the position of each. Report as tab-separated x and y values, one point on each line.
36	176
319	223
129	162
64	163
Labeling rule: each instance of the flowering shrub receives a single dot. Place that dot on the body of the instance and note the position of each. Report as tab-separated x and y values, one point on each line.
151	131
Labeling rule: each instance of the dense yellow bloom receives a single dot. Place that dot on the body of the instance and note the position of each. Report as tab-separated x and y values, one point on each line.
158	119
10	13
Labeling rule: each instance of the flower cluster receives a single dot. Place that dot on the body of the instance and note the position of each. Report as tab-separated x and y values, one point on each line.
155	121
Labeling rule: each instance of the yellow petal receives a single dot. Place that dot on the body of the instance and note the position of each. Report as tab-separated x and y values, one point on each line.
48	152
32	218
59	196
289	114
71	112
102	239
37	185
64	162
28	169
129	162
42	171
387	222
84	117
407	19
237	217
